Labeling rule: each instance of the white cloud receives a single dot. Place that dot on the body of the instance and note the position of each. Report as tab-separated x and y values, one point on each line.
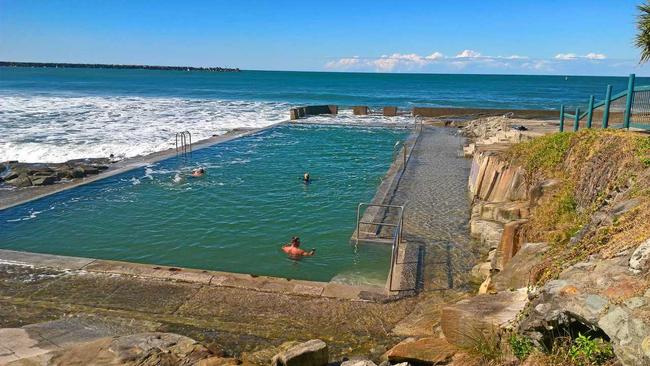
344	63
470	60
573	56
566	56
435	56
595	56
468	54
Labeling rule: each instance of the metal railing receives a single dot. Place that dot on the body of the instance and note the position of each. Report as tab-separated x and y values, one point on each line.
396	239
183	143
627	109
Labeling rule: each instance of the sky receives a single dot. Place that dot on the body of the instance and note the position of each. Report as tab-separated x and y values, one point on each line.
569	37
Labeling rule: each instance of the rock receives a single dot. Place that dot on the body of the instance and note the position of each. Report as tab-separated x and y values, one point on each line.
425	351
89	169
144	349
511	241
516	273
635	302
627	335
481	271
20	182
218	361
595	304
358	363
10	176
462	321
78	172
625	206
310	353
44	180
489	232
264	356
639	262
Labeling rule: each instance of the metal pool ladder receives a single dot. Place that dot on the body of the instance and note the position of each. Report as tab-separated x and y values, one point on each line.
396	239
183	143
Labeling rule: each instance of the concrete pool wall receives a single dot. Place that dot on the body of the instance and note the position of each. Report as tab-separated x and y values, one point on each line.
262	283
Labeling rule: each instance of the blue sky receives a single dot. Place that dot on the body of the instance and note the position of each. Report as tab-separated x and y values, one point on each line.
462	36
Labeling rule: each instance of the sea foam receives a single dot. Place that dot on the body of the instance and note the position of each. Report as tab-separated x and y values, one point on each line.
51	128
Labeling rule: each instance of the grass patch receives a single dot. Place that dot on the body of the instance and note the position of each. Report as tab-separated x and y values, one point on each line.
643	151
543	155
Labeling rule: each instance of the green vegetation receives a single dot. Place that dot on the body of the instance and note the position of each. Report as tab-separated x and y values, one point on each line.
587	351
642	40
542	155
521	347
643	151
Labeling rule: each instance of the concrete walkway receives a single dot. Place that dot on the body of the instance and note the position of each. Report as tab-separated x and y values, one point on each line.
433	190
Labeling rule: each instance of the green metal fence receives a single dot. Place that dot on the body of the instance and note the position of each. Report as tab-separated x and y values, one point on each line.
627	109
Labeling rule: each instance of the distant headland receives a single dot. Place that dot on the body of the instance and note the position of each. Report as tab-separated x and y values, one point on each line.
115	66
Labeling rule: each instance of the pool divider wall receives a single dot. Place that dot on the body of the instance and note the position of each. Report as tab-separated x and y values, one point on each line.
312	110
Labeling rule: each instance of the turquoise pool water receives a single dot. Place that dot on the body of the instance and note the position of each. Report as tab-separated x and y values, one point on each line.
236	217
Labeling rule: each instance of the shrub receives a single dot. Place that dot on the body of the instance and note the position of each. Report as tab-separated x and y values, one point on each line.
521	346
587	351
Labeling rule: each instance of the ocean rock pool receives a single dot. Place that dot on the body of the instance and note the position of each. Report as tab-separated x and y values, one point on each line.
235	218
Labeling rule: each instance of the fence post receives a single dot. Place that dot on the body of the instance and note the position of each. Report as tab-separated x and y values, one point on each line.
628	102
608	100
576	123
590	112
562	118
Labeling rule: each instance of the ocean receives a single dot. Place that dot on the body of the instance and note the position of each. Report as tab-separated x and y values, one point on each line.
53	115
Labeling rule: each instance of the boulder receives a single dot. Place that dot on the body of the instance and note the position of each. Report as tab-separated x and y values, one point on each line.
640	259
425	351
486	314
78	172
218	361
144	349
44	180
89	169
516	273
511	240
358	363
310	353
10	176
20	181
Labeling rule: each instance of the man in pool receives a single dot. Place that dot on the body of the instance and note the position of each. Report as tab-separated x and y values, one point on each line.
293	249
198	172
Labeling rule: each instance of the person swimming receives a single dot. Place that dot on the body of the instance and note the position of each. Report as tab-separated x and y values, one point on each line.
293	249
198	172
306	178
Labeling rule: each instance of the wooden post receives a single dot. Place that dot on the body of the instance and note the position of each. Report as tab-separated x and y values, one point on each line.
608	101
590	112
628	102
562	118
576	123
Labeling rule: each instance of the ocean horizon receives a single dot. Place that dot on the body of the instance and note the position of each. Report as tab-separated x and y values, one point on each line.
57	114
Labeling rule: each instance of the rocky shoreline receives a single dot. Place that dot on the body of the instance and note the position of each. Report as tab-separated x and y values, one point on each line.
21	175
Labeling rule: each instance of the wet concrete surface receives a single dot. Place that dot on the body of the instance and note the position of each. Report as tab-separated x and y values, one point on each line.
437	209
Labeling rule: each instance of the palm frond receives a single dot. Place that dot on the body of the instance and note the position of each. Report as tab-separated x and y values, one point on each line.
642	40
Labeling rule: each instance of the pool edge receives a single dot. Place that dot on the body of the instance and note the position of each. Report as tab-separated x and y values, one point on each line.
269	284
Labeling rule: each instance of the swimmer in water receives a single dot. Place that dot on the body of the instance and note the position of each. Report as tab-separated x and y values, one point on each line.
199	172
293	249
306	178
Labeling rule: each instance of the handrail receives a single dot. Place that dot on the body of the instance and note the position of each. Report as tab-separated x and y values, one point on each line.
397	234
628	117
185	138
